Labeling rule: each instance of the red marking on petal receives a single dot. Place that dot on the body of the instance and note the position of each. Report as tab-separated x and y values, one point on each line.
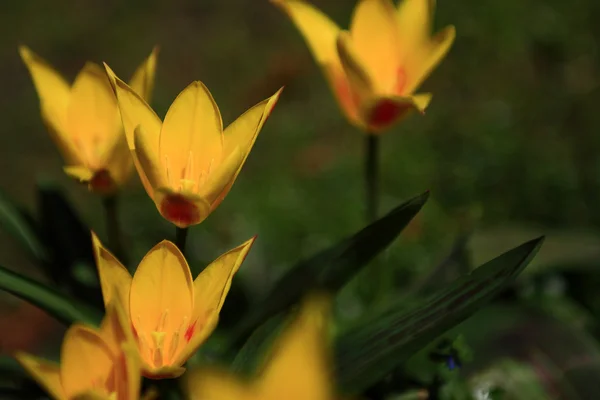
346	95
400	80
190	332
385	113
102	182
179	210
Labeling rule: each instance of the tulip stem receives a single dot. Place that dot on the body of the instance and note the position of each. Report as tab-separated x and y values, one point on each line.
112	226
371	176
181	238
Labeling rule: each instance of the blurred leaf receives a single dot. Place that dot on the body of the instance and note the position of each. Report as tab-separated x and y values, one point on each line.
70	243
63	308
331	268
20	225
9	367
371	351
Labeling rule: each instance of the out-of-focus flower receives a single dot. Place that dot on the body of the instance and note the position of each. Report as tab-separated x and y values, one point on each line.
298	368
375	67
94	364
84	120
171	314
188	163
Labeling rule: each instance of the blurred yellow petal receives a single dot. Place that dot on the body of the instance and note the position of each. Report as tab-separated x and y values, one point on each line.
119	163
382	112
129	377
46	373
80	173
115	328
134	110
429	57
142	81
204	384
414	18
191	139
361	86
375	37
86	360
210	290
115	280
303	343
161	299
318	30
54	94
93	116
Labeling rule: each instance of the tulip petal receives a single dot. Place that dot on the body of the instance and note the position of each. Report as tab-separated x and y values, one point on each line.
115	280
80	173
429	57
146	153
318	30
210	290
86	360
383	112
46	373
192	133
375	37
202	384
414	18
91	395
361	86
54	94
161	296
93	115
221	178
142	81
304	342
128	373
116	325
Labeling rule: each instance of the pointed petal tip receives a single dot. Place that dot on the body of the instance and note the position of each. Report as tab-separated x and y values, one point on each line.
25	52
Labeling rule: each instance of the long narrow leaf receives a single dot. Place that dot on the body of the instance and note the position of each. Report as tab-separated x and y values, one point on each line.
367	354
17	223
331	268
61	307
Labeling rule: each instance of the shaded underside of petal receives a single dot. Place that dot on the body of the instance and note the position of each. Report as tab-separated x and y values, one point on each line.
54	93
152	173
360	83
318	30
128	372
428	57
115	280
383	112
46	373
86	360
303	343
375	35
119	162
161	295
167	372
210	290
223	176
191	139
142	81
93	115
116	325
202	384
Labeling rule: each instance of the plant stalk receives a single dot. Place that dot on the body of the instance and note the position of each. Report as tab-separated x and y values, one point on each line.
115	240
181	238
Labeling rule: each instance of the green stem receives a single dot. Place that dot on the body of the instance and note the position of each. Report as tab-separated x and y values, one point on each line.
181	238
372	176
115	241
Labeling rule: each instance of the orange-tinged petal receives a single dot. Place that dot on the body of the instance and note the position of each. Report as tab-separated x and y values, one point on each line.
383	112
46	373
361	85
150	167
428	57
375	37
191	139
134	110
304	342
115	328
86	360
183	209
115	280
161	296
203	384
55	94
91	395
165	372
79	172
142	81
129	374
210	290
93	116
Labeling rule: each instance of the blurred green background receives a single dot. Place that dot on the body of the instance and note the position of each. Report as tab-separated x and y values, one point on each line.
508	146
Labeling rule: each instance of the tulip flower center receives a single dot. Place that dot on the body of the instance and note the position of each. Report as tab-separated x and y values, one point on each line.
386	112
400	80
102	181
179	210
159	347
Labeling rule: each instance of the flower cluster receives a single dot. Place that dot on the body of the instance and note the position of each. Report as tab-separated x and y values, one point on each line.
158	317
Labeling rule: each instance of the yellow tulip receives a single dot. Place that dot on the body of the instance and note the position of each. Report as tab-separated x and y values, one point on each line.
298	368
188	163
99	364
375	67
171	314
83	119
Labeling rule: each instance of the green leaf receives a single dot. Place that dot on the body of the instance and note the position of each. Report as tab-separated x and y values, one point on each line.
330	269
371	351
20	225
63	308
